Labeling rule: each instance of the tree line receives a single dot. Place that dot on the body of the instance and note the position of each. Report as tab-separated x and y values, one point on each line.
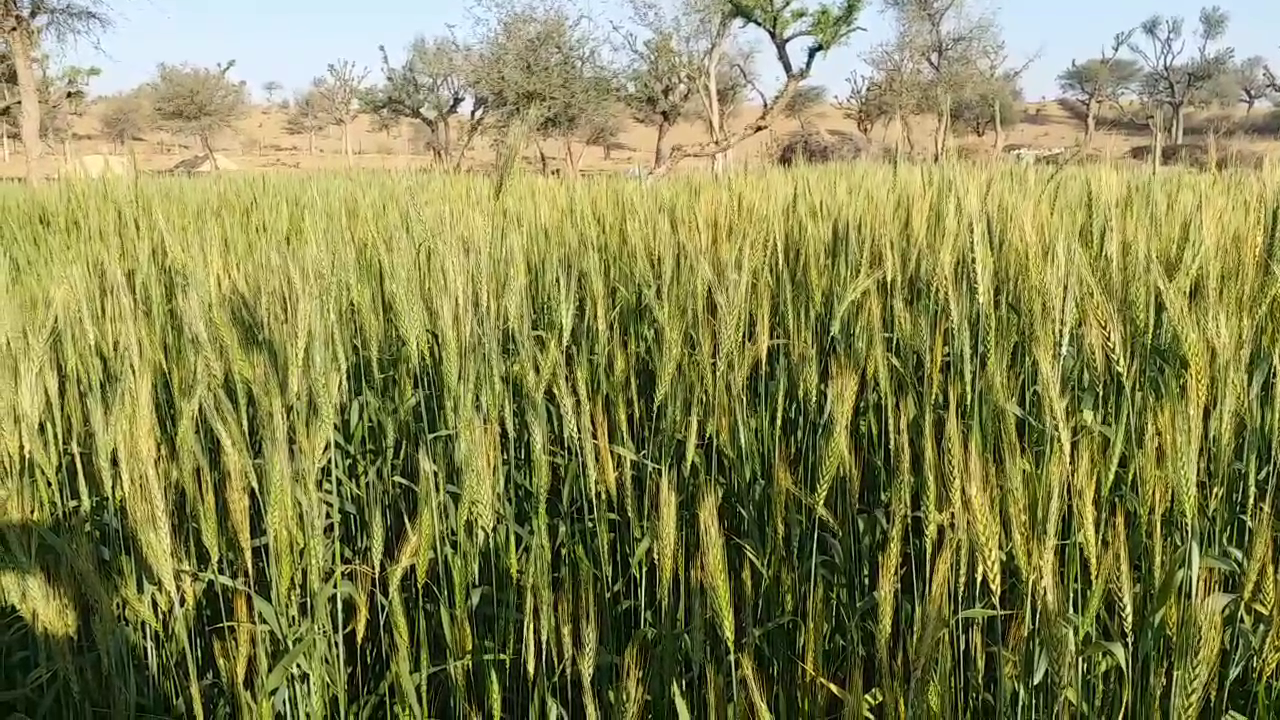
547	72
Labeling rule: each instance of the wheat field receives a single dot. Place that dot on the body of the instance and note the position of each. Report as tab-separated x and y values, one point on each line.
874	442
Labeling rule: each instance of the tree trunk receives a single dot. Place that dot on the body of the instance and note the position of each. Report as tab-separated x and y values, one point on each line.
346	143
543	161
311	143
571	160
660	145
900	137
1090	123
473	129
998	124
4	140
1179	124
23	45
713	106
1155	122
942	130
446	139
208	148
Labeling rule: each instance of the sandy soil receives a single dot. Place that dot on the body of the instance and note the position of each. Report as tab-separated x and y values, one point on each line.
260	142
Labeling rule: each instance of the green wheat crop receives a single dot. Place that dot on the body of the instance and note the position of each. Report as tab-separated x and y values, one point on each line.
912	443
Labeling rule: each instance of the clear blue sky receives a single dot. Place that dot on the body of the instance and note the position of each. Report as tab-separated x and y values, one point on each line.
292	40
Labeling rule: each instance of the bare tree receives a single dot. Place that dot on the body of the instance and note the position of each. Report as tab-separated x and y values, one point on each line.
897	85
25	27
123	118
1175	79
1098	81
307	116
431	86
341	89
271	89
720	94
198	102
864	103
783	22
1251	78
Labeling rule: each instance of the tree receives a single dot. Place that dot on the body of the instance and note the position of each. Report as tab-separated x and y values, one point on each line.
1175	79
990	108
383	122
25	27
1221	92
654	84
197	101
864	104
430	87
1251	78
783	22
698	42
340	89
807	99
720	93
944	46
538	65
1098	81
271	89
306	116
896	86
62	97
124	117
603	131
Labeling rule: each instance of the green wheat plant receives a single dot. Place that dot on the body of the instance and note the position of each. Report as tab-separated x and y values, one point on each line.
945	442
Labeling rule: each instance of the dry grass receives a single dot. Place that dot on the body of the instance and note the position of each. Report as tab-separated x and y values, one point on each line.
945	442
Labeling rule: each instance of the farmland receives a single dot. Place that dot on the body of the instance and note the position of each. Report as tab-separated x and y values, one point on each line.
937	441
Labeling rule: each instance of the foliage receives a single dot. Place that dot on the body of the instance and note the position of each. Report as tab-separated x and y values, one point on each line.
58	21
340	89
196	101
655	83
1100	80
430	87
1174	77
271	89
867	103
807	98
604	131
307	115
983	443
539	63
1250	78
124	116
975	112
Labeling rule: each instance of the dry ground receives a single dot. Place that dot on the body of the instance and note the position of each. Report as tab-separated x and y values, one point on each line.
260	142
